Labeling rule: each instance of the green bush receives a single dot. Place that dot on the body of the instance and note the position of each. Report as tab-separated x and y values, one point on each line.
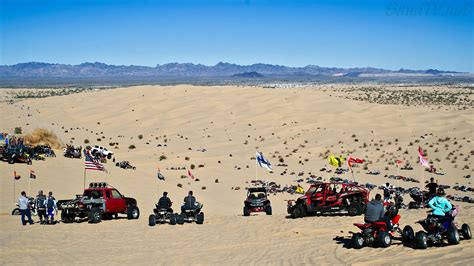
18	130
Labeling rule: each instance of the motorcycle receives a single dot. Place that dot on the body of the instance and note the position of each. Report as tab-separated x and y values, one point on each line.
31	205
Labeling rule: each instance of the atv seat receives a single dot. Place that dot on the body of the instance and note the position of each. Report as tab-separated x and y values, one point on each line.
363	226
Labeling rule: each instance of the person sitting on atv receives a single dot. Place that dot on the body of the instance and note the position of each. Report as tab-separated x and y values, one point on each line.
439	204
374	210
189	202
165	202
391	212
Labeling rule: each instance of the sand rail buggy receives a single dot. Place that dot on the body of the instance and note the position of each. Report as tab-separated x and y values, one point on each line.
257	201
329	198
98	201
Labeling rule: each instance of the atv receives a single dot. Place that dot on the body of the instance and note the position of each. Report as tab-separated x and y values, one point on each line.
420	199
191	215
257	201
438	229
330	198
376	234
72	152
125	165
17	154
161	216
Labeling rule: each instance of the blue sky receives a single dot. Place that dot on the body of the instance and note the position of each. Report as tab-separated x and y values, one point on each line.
392	34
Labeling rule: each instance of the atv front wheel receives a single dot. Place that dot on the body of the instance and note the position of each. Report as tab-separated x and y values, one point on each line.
453	235
358	241
421	240
151	220
466	231
384	239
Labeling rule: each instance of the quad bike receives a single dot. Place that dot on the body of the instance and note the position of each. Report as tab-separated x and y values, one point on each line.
376	234
125	165
191	215
439	228
31	204
161	216
257	201
420	199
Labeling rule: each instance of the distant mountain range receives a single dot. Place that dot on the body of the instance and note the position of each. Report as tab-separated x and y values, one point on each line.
189	70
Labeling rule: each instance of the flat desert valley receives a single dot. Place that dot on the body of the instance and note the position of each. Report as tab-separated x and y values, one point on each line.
218	129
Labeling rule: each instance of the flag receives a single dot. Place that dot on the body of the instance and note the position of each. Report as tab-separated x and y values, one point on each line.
262	162
398	162
335	161
92	163
423	160
15	176
352	160
190	174
32	174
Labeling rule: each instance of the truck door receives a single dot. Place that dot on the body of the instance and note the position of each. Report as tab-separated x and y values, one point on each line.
117	202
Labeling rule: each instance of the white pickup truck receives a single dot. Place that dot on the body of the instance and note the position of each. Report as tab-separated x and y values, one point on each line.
101	151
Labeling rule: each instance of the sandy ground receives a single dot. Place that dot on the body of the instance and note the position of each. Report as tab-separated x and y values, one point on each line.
230	123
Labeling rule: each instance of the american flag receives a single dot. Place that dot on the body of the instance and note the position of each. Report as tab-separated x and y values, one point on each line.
92	163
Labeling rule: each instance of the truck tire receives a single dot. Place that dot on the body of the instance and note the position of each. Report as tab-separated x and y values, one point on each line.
109	156
133	212
151	220
200	218
354	209
246	211
94	216
268	210
297	211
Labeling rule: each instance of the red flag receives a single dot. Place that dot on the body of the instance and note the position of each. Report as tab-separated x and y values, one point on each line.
15	176
352	160
190	174
423	160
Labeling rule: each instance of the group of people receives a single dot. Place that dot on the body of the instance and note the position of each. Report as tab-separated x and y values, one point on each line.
45	206
189	202
375	210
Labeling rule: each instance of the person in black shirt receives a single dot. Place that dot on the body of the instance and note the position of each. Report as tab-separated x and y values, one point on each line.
165	202
189	202
432	187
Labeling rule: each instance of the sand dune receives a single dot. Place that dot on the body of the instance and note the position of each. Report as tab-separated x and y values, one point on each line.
230	123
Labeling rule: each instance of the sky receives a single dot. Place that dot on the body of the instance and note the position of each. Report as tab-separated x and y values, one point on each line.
390	34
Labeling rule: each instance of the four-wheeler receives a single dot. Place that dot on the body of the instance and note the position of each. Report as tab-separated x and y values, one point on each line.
99	151
439	228
161	216
98	201
125	165
191	215
72	152
15	154
376	233
328	198
257	201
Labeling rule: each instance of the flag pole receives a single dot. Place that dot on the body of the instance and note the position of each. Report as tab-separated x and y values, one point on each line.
84	177
14	188
29	184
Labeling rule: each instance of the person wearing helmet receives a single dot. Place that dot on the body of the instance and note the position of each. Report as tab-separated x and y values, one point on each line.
439	204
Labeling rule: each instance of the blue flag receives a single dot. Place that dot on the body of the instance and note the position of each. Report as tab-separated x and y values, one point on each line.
262	162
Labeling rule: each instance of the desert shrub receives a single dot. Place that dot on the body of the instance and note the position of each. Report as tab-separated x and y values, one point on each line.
162	157
131	147
86	141
140	136
193	166
18	130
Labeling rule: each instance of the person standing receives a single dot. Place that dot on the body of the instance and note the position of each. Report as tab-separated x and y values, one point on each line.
51	208
24	206
41	206
432	186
